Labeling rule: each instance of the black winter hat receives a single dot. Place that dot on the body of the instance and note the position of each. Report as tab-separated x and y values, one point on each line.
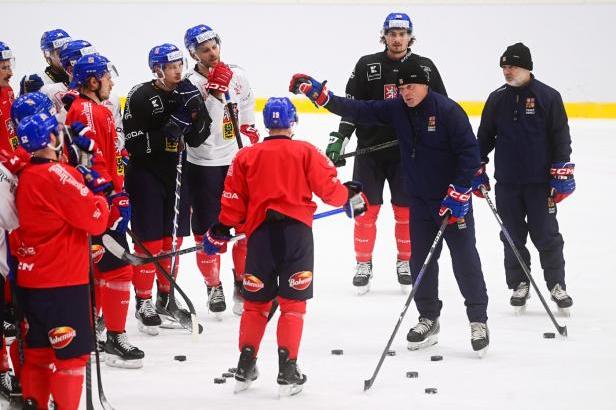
517	55
412	73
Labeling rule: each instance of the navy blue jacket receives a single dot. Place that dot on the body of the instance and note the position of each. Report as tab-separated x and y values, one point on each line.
437	144
529	129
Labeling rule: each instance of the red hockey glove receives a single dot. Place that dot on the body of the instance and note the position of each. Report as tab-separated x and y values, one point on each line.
562	184
251	132
480	179
216	238
219	78
14	161
457	202
119	212
311	88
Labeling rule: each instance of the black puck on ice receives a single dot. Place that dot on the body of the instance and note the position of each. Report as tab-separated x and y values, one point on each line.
227	375
436	358
412	375
337	352
220	380
391	353
430	390
549	335
180	358
232	369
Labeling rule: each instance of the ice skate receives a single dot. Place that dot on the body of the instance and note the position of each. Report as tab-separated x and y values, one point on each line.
290	378
247	371
238	300
10	389
216	301
361	280
148	320
519	297
172	315
480	338
423	334
405	279
562	299
120	353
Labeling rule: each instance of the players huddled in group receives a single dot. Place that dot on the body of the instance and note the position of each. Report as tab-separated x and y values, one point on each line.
184	154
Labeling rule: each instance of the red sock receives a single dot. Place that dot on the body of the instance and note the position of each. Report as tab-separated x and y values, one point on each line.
36	375
67	382
143	276
239	258
115	299
163	283
253	323
365	234
209	266
403	234
290	324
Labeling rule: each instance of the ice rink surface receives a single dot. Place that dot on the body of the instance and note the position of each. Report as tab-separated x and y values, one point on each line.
521	369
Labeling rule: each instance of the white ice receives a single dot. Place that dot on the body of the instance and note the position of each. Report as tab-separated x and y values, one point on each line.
521	369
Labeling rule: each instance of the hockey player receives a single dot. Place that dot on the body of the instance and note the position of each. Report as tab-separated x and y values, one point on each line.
267	195
374	78
88	118
160	116
51	43
532	168
208	163
440	156
8	138
57	213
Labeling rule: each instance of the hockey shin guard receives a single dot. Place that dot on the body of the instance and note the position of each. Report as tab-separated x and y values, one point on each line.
253	323
365	234
163	283
36	374
402	232
291	324
143	275
67	381
239	251
208	265
115	295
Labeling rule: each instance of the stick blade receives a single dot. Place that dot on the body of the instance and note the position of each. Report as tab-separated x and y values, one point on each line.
114	247
368	384
562	330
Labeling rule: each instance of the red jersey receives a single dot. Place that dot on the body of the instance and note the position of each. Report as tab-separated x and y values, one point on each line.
8	135
56	214
103	131
278	174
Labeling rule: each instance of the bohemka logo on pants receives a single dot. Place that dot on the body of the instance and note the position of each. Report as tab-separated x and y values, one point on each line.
62	336
97	252
300	280
252	283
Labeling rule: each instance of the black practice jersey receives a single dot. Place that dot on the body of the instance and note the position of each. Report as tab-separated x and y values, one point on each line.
147	111
374	78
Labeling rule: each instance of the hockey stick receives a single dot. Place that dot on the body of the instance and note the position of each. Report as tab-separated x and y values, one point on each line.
562	330
367	150
368	383
117	249
236	130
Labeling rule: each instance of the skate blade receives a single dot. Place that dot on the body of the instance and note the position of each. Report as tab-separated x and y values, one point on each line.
565	312
148	330
519	310
238	309
287	390
430	341
362	290
406	289
241	386
482	352
115	361
217	315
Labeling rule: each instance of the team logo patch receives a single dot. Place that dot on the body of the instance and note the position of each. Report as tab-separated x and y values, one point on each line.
390	91
157	104
97	252
530	106
251	283
300	280
62	336
431	123
374	71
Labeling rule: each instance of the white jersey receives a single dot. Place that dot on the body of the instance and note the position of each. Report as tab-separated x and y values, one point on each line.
220	147
8	214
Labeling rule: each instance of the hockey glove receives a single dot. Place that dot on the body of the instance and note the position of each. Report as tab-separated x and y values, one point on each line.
30	84
94	181
82	146
357	204
68	98
457	202
14	161
311	88
219	78
562	184
480	179
335	148
216	238
190	101
251	132
119	213
173	131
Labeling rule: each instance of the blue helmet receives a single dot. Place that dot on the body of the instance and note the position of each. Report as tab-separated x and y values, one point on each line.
33	131
398	20
30	104
279	113
199	34
53	39
73	51
164	54
91	65
5	52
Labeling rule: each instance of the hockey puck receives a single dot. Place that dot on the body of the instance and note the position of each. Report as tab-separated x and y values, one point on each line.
431	390
391	353
549	335
436	358
232	369
227	375
180	358
220	380
412	375
337	352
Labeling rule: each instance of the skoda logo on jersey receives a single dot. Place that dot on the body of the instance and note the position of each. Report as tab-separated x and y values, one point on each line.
157	104
300	280
374	71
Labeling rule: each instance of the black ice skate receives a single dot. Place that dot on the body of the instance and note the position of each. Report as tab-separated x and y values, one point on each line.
519	297
480	338
10	389
247	371
148	320
403	271
423	334
216	300
120	353
238	299
562	299
173	316
363	274
290	378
